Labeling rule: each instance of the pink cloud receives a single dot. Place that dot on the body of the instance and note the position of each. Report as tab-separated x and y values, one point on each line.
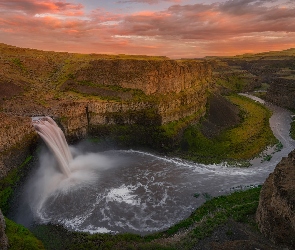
149	1
33	7
232	27
208	22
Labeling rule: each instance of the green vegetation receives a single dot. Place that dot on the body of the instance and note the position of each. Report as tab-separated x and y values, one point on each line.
242	142
18	63
8	184
239	206
233	82
271	54
105	92
266	158
42	102
235	145
21	238
115	92
279	147
172	129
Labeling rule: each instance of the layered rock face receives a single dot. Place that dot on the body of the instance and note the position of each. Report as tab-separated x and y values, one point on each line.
173	89
3	237
16	136
77	117
282	92
276	210
150	76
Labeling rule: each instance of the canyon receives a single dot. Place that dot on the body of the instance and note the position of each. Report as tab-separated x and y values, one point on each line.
109	95
83	92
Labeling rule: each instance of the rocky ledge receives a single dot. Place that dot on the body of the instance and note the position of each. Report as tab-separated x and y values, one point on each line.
3	237
276	210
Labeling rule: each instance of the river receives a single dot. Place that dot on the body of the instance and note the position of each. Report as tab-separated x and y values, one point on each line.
134	191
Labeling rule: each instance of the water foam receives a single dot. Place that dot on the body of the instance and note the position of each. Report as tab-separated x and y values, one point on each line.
132	191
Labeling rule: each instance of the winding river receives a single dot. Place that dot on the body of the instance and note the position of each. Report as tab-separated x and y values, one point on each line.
134	191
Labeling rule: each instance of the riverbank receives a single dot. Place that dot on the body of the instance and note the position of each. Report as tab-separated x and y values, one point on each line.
222	222
121	235
238	143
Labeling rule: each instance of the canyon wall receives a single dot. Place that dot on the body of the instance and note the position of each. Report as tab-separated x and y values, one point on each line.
281	92
16	138
276	210
150	76
77	118
3	237
83	92
276	73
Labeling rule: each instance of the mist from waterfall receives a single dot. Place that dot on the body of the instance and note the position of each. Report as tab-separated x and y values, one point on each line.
128	190
61	169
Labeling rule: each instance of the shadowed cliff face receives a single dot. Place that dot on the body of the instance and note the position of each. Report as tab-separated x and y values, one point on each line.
282	92
221	114
276	210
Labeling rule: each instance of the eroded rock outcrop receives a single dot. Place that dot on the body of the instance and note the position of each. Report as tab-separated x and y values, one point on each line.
282	92
3	237
276	210
150	76
221	114
16	136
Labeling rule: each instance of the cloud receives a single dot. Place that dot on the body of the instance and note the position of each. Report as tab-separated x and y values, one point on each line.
202	21
234	26
241	7
149	1
32	7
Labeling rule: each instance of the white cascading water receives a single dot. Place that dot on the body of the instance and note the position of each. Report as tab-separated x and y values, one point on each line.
119	191
54	138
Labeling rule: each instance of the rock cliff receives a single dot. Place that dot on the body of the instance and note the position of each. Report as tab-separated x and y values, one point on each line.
83	92
150	76
276	210
16	137
3	237
282	92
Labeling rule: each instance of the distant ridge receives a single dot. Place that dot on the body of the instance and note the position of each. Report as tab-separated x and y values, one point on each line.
275	54
4	46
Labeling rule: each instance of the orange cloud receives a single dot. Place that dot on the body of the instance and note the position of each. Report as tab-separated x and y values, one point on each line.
232	27
149	1
32	7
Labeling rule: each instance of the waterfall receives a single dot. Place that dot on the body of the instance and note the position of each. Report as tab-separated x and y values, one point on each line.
54	138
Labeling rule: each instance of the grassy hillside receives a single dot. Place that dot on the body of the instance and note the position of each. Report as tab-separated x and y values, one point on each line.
241	142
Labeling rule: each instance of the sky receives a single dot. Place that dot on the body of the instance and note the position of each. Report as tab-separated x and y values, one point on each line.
172	28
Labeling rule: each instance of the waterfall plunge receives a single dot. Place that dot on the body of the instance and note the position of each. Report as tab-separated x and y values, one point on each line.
56	141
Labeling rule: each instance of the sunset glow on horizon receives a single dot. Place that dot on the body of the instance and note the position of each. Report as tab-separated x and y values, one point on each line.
172	28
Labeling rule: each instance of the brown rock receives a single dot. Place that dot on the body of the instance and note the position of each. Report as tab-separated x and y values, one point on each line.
276	210
281	92
3	237
150	76
221	114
